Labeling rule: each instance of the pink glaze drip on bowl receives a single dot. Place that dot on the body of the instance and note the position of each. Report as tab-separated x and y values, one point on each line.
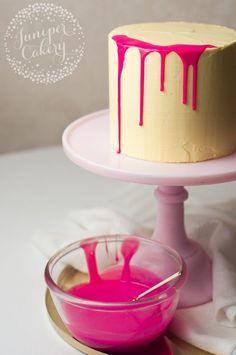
100	313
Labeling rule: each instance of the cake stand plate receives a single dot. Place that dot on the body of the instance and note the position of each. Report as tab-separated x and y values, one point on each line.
86	143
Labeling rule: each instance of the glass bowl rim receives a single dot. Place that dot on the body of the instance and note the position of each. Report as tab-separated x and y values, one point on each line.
161	297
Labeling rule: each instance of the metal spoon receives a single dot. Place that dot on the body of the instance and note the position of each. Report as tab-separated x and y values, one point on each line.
153	288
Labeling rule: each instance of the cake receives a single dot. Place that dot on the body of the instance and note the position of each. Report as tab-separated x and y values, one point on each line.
172	91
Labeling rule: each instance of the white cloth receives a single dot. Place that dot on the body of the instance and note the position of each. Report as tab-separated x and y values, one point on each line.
212	326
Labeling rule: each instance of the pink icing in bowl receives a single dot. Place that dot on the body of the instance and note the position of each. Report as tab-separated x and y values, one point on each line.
99	311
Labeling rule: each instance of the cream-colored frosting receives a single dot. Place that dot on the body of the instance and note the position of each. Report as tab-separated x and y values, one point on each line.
172	131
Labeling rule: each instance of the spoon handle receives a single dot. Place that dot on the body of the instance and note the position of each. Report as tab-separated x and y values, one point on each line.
153	288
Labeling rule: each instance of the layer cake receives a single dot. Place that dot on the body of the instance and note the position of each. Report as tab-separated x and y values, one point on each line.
172	91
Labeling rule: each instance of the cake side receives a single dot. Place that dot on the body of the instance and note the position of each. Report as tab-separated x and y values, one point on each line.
172	131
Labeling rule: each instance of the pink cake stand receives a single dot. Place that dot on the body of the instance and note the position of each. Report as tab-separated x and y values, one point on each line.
86	143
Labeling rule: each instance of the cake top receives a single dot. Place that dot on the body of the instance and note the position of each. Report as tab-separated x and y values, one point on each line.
168	33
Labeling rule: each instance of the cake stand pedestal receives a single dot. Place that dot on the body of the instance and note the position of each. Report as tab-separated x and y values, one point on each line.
86	143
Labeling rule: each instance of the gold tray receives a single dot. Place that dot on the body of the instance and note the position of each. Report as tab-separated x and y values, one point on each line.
70	277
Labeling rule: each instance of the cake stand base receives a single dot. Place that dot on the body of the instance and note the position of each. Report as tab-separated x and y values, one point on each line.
170	230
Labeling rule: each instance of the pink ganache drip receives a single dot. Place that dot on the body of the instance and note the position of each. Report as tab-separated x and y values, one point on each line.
188	53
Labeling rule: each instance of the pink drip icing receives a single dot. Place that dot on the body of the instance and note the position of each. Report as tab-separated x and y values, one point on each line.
128	249
163	60
185	83
90	254
194	88
188	53
143	55
121	57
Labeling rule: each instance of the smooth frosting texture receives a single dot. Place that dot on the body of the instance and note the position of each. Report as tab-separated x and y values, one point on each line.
174	128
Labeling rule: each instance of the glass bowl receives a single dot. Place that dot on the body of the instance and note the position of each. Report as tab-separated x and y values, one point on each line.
107	318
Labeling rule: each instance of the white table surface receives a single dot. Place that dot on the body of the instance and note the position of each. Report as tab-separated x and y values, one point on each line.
37	189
